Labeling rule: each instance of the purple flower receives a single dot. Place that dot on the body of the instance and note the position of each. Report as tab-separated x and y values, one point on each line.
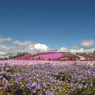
80	86
1	77
91	83
44	85
48	93
37	86
34	84
7	69
39	94
34	90
3	72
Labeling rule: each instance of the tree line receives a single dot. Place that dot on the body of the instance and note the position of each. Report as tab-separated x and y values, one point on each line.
16	56
93	53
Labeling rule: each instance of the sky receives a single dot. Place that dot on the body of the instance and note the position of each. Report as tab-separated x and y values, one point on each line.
41	25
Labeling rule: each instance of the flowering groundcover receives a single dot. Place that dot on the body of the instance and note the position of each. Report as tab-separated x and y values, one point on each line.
77	78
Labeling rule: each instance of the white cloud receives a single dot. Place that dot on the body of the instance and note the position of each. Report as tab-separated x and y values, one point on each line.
15	42
35	48
32	47
63	49
20	46
82	50
76	47
2	39
85	44
78	50
6	51
88	44
39	47
22	43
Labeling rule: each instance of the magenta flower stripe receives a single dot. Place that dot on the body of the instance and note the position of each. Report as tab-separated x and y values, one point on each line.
51	55
54	55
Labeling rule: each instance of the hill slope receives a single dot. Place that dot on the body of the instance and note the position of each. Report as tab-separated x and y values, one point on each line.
62	56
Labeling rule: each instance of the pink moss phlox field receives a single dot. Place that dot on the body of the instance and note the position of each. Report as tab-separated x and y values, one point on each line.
55	63
46	56
52	55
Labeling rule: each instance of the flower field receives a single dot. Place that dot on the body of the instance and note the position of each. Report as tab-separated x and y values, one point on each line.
46	56
62	56
28	77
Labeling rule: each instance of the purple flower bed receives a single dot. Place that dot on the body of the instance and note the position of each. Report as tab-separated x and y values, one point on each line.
77	78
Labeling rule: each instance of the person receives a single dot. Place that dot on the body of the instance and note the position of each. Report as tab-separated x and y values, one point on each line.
38	57
49	58
91	59
59	59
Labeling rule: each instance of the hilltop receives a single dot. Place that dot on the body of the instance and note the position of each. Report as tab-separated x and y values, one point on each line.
58	56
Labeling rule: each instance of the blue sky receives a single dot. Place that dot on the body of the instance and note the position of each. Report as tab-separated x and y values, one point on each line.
55	23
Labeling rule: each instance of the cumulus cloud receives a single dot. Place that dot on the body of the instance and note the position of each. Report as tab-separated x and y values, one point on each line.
12	50
88	44
36	48
63	49
85	44
39	47
6	50
2	39
82	50
15	42
22	43
76	47
20	46
78	50
32	47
